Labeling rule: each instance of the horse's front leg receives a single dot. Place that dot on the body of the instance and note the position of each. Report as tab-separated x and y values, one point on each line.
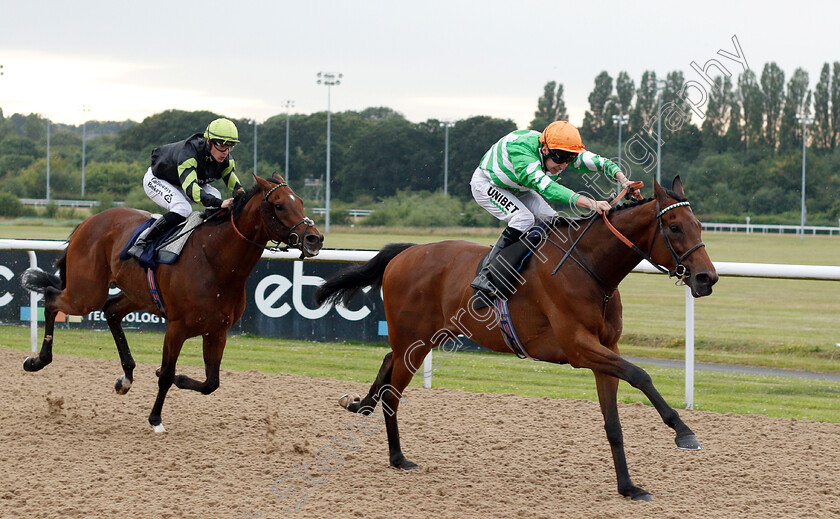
599	358
607	392
639	378
172	344
214	347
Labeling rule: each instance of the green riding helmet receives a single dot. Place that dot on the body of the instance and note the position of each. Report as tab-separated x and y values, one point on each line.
222	130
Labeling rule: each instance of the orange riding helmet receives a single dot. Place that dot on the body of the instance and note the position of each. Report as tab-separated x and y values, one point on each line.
562	135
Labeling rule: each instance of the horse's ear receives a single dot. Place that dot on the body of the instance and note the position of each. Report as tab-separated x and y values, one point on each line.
658	190
677	186
278	177
264	184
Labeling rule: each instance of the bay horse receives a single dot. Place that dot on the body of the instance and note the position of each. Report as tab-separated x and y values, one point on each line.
203	292
564	311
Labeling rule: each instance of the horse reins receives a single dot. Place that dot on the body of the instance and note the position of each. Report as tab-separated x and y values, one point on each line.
637	186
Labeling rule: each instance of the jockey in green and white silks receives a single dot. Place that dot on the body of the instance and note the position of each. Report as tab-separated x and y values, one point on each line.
516	177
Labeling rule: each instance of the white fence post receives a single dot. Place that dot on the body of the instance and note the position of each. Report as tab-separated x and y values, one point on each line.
689	349
33	308
427	371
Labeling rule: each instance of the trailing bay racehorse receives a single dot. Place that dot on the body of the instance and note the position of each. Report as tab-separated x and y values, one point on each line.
203	292
566	307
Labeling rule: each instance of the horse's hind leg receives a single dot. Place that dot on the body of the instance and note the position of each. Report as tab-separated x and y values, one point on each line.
82	295
45	355
214	347
607	391
404	364
115	309
368	404
389	390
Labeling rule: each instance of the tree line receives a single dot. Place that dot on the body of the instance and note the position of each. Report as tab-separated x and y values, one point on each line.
742	157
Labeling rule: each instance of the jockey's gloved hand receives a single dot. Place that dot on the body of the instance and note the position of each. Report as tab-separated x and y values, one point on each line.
210	201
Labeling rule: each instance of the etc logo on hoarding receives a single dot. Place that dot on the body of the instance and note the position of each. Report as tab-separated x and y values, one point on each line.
270	291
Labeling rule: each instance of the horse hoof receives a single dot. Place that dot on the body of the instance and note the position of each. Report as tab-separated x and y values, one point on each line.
347	399
644	496
688	442
159	428
404	464
157	371
122	385
36	363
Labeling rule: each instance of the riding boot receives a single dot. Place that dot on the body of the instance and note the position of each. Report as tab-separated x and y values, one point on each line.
484	282
155	231
502	270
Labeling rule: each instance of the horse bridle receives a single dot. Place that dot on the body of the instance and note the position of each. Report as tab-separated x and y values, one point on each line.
680	271
292	238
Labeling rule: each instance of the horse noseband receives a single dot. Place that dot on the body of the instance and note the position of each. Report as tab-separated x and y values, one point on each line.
295	239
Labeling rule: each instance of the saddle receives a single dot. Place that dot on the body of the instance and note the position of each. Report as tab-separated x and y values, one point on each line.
166	249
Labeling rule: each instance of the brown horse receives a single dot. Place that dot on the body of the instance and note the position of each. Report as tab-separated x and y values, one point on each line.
203	292
572	316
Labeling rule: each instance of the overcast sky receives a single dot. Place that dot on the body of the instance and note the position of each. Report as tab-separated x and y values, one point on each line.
426	59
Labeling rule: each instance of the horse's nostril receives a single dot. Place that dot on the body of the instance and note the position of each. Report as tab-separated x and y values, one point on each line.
704	279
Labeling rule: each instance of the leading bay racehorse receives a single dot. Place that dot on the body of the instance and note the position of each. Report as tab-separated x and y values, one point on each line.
203	292
572	316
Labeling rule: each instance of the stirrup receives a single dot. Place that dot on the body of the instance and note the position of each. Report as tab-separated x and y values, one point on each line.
137	249
482	300
482	283
483	294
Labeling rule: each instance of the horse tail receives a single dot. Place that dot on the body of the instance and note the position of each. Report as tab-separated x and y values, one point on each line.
36	280
347	283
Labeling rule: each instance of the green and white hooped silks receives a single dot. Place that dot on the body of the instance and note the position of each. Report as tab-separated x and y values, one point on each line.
520	211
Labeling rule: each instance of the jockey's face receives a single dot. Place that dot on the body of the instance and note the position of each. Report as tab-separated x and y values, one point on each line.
219	154
553	167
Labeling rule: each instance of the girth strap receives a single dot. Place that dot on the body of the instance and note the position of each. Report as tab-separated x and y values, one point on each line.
150	279
508	331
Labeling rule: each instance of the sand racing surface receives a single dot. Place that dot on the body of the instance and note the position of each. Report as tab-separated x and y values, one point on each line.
273	446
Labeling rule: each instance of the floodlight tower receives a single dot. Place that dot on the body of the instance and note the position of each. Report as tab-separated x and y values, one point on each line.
804	120
330	79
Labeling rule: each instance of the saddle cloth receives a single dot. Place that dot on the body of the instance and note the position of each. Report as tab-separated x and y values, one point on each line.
168	247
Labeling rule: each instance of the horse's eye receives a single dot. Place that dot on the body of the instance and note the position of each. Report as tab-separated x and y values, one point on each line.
675	228
279	207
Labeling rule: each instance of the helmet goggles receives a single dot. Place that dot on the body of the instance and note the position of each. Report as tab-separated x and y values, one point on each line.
222	145
562	156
